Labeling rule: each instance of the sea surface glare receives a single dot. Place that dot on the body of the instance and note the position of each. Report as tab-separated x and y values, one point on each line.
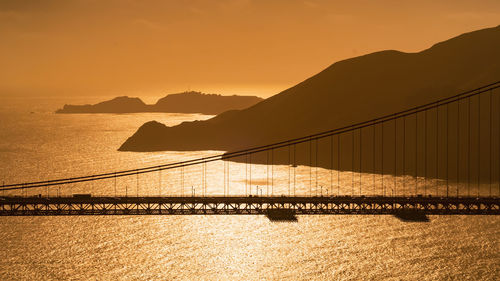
36	144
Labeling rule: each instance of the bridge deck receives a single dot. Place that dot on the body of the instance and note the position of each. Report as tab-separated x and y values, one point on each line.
35	206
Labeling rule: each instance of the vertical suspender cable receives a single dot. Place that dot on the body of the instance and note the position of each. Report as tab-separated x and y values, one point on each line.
246	174
437	150
425	152
331	164
395	155
360	162
352	163
267	172
382	159
447	147
294	167
458	147
317	164
491	141
478	144
404	155
338	165
289	170
250	173
373	155
310	165
468	148
416	153
272	171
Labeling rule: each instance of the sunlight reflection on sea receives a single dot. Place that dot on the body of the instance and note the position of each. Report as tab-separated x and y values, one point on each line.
43	145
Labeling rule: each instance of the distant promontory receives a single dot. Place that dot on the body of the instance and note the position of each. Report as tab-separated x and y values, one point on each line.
187	102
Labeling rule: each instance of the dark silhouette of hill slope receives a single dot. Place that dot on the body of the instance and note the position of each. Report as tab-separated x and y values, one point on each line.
187	102
347	92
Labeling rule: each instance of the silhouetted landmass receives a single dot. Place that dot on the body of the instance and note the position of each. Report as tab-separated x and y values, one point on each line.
116	105
361	89
187	102
195	102
347	92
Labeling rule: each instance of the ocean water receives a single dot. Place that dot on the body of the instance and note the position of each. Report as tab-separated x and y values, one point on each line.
36	144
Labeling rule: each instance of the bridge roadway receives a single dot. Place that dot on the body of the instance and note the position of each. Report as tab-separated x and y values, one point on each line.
300	205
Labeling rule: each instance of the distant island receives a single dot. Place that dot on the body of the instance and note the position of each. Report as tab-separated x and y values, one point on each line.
187	102
347	92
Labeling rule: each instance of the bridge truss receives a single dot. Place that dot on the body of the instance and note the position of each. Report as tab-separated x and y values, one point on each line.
246	205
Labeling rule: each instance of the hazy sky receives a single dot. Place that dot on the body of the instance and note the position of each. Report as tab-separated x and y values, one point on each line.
138	47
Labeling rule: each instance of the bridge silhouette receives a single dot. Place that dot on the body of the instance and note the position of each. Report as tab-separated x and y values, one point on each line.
438	158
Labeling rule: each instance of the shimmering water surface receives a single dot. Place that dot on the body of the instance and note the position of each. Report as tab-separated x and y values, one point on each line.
36	144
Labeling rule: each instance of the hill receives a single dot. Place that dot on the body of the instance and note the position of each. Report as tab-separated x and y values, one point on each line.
196	102
116	105
346	92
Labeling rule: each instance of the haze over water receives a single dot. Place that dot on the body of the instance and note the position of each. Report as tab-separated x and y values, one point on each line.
42	145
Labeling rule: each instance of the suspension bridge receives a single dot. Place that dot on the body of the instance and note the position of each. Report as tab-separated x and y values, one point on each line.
438	158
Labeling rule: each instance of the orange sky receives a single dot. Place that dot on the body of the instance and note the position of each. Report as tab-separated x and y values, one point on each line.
146	48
